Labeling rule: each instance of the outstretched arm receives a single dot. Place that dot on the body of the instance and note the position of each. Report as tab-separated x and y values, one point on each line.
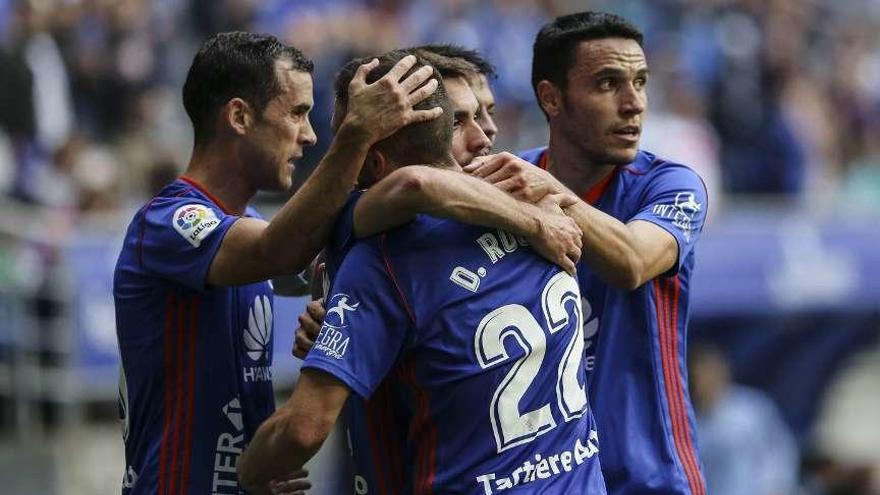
622	255
254	250
412	190
294	433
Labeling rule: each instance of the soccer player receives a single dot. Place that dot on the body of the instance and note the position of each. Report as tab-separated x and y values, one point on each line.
641	217
413	190
193	308
483	375
479	82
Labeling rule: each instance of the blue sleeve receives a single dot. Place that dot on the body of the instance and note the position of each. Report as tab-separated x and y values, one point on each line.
532	155
365	327
179	238
342	238
675	200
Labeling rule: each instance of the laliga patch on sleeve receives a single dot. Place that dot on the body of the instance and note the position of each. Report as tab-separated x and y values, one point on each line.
195	222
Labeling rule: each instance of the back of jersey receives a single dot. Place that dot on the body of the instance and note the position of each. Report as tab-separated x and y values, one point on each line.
482	346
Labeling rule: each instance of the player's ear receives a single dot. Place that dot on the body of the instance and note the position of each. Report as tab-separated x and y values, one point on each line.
550	97
238	116
372	170
381	166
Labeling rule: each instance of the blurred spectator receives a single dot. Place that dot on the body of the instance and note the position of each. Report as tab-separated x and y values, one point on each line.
775	97
745	446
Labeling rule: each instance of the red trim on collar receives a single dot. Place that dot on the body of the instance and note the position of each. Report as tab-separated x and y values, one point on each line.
595	193
542	162
206	193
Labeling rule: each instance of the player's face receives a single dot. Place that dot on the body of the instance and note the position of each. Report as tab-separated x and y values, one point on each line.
468	139
605	100
486	116
282	131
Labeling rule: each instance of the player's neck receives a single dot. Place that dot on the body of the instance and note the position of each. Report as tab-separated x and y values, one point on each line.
213	171
568	164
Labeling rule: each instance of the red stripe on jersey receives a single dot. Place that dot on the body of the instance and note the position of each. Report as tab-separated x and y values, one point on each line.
375	445
691	455
190	391
177	421
142	227
393	277
395	471
207	193
665	352
168	396
672	378
424	434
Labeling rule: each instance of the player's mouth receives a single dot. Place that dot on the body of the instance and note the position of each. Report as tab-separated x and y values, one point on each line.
628	133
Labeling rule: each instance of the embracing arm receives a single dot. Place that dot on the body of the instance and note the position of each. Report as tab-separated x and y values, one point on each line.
414	190
255	250
623	255
294	433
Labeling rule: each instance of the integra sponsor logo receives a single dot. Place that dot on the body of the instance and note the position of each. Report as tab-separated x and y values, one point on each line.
332	341
543	467
682	212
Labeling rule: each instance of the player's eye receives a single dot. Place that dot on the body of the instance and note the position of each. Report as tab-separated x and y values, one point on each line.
606	83
640	82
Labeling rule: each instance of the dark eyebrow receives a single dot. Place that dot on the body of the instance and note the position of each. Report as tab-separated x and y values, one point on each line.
301	108
614	72
608	72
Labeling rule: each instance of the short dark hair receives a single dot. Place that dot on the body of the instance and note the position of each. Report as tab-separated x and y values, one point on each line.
554	49
420	143
457	51
234	65
448	67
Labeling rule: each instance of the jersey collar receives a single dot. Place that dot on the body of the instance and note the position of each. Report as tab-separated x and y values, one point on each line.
595	193
204	191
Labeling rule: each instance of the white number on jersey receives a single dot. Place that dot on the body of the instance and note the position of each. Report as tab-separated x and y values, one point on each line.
511	427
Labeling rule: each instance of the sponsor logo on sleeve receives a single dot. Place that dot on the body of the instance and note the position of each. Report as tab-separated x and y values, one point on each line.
333	340
195	222
257	339
681	212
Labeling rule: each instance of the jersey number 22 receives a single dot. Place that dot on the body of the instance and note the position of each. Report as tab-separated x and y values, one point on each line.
511	427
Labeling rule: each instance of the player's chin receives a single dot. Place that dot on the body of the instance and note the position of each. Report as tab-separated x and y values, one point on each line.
623	155
285	177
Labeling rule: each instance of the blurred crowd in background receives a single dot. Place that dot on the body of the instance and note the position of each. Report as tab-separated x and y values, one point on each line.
774	99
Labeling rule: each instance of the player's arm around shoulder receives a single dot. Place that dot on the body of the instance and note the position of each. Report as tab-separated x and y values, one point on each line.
255	250
414	190
294	433
655	240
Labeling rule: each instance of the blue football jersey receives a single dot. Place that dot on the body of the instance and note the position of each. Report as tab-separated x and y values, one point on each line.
469	348
636	340
195	379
